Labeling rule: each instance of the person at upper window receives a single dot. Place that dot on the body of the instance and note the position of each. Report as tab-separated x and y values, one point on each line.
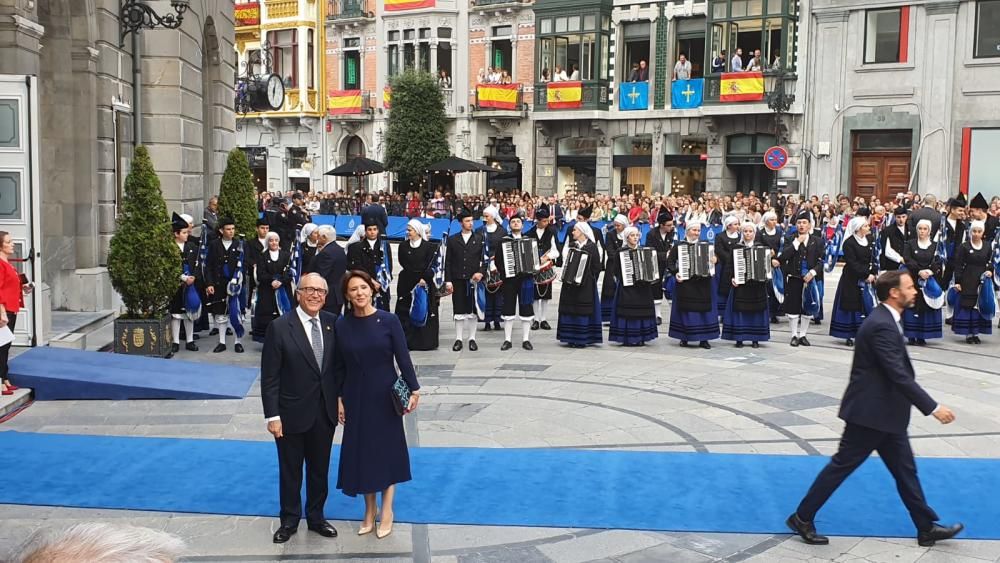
682	69
575	75
505	77
559	75
545	75
719	62
444	81
756	64
776	64
736	65
640	72
481	77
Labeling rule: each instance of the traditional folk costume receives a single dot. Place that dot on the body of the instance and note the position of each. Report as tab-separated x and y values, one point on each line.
661	242
518	295
254	249
922	322
179	313
633	319
747	316
724	245
579	305
416	258
798	260
463	260
848	304
971	262
609	284
222	267
548	245
370	256
772	239
271	303
694	315
492	235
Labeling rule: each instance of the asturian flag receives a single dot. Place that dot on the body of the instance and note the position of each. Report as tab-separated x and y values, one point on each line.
687	94
633	96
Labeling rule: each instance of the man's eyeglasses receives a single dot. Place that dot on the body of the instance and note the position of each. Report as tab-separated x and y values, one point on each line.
310	291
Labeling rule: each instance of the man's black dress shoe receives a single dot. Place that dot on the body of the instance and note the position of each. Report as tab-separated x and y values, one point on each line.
938	533
191	347
849	342
219	348
174	348
795	341
473	346
817	322
804	341
213	332
527	345
545	325
534	325
457	347
805	530
238	348
229	332
704	344
506	345
324	529
282	534
774	320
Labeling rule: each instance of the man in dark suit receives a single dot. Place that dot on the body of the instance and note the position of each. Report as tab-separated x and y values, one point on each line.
876	408
299	392
330	263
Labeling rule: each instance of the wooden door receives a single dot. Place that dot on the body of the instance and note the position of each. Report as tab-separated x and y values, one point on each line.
882	175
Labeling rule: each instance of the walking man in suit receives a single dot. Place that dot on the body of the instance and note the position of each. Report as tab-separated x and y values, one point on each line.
300	392
876	408
330	263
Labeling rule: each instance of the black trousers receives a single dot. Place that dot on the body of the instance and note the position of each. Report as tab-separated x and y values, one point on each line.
857	443
513	305
5	350
313	447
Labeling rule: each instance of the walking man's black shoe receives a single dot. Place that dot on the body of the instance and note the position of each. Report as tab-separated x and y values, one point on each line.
939	533
805	530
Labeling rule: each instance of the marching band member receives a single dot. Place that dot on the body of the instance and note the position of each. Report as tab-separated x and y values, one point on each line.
463	267
800	261
724	244
367	255
492	232
220	268
271	274
416	258
178	309
746	316
893	240
693	314
922	322
848	307
515	306
978	211
661	239
611	246
973	260
548	244
579	306
633	320
770	235
254	249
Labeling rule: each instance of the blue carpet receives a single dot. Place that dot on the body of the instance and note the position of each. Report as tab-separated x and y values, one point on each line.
502	487
60	374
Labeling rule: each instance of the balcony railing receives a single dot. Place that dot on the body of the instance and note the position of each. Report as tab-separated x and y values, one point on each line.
279	9
499	97
593	95
349	10
491	3
713	89
349	104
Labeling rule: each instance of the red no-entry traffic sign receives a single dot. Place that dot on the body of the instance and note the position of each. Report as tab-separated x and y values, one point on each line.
775	158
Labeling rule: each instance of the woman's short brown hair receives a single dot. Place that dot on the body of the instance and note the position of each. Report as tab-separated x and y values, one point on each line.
350	275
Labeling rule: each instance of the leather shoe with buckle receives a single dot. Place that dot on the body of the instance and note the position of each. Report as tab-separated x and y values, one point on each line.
324	529
473	346
545	325
805	530
939	533
506	346
457	347
219	348
534	325
283	534
527	345
804	341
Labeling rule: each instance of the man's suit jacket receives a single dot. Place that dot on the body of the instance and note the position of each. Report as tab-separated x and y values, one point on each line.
291	380
331	263
883	384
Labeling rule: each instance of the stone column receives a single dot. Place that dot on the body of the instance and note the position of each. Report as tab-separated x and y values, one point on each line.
658	174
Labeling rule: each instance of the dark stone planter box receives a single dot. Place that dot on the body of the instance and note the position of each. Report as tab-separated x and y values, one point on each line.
142	337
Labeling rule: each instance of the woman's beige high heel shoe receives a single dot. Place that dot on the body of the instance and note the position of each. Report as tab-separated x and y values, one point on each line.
383	532
368	529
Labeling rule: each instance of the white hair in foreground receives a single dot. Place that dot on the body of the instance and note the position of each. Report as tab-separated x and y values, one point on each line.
107	543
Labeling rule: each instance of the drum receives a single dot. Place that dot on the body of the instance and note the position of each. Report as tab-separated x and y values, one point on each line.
493	281
546	275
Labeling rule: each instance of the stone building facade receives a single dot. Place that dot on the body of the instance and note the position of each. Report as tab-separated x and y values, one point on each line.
87	127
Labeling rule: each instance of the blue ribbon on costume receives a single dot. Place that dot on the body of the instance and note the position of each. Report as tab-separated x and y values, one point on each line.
418	306
282	300
295	264
952	299
834	249
868	299
192	301
237	294
987	302
383	274
933	294
478	292
810	299
877	252
942	249
527	296
777	276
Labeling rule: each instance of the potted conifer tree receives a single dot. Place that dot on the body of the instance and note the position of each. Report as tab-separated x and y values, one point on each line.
237	194
143	263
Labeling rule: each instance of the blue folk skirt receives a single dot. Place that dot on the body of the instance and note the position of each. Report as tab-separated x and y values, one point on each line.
744	325
968	321
692	326
925	325
632	331
844	324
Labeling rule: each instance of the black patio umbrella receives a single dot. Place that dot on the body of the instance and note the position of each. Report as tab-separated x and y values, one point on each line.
359	166
455	165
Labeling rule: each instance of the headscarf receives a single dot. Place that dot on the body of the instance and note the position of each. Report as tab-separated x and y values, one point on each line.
307	230
622	219
492	212
853	226
586	230
417	226
981	225
929	226
628	231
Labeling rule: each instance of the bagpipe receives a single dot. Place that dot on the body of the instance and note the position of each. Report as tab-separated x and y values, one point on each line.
293	272
777	276
987	301
236	290
383	275
834	249
811	298
192	301
438	263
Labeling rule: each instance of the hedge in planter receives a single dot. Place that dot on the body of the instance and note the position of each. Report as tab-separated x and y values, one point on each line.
237	195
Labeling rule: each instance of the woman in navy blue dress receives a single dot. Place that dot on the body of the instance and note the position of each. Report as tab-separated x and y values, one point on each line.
633	317
373	456
922	322
746	316
972	262
848	307
579	305
693	314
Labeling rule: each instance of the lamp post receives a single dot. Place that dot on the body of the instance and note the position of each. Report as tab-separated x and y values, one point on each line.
134	16
777	100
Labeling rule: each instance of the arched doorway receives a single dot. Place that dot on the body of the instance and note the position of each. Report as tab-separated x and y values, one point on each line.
354	147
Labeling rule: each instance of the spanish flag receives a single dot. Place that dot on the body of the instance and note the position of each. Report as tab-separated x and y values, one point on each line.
741	87
343	102
387	97
497	96
400	5
564	95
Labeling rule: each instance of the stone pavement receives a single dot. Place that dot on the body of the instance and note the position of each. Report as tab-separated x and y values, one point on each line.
774	400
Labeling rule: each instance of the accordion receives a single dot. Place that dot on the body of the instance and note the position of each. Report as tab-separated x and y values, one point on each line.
520	256
751	264
694	260
639	265
575	267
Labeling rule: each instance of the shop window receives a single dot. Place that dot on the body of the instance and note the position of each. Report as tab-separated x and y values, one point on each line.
886	35
987	29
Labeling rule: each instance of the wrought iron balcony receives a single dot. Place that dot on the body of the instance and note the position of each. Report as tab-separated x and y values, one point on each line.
494	3
593	95
713	88
342	10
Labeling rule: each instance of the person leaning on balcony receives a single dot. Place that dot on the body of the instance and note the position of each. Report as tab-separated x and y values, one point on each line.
444	81
505	78
736	65
719	63
545	75
756	64
776	64
682	70
640	72
559	75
